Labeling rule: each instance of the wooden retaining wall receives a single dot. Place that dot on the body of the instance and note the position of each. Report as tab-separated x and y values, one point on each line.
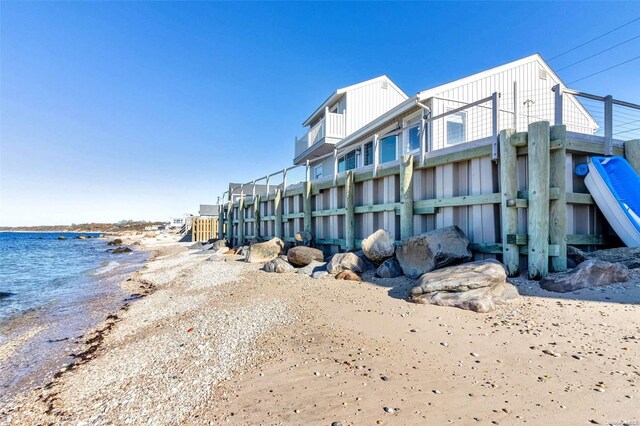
204	228
521	211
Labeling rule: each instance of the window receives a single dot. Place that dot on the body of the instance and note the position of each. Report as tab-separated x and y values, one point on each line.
456	124
368	153
388	149
411	137
317	172
347	161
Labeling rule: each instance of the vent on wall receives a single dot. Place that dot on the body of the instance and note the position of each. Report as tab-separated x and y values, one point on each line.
384	85
542	74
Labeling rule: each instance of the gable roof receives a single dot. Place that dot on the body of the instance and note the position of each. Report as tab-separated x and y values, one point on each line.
335	96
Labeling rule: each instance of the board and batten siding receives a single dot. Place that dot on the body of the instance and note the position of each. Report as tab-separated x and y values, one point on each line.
365	103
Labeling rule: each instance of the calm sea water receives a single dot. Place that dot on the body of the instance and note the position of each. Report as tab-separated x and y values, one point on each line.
61	288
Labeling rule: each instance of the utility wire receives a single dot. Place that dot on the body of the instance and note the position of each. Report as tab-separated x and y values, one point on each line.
596	54
606	69
596	38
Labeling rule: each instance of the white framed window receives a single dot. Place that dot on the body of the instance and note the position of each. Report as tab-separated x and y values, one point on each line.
317	171
456	127
411	136
368	153
389	149
349	161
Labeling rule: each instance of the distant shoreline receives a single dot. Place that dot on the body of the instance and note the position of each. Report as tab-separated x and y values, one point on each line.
137	226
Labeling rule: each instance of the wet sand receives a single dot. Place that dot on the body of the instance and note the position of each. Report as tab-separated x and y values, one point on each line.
222	342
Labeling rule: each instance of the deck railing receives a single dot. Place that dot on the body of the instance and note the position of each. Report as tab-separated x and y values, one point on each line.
332	125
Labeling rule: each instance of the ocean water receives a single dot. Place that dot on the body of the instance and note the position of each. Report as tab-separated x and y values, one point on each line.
53	291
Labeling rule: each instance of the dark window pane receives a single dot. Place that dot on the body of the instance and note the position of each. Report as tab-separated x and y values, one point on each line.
414	139
368	153
388	149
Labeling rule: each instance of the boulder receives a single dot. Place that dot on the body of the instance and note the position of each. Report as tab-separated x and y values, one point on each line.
313	267
432	250
81	237
390	268
576	255
278	265
242	250
378	246
481	300
5	294
302	255
345	261
116	242
368	266
590	273
121	250
303	237
461	278
348	275
62	237
264	252
219	244
319	274
627	256
222	250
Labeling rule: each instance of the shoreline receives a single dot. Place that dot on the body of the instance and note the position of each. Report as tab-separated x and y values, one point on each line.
222	341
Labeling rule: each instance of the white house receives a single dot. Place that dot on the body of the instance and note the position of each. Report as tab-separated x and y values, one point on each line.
344	112
470	109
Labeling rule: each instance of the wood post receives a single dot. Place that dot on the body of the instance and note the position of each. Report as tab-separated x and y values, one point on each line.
558	207
221	222
538	208
277	207
230	222
632	153
241	221
406	196
306	207
350	216
256	217
508	209
608	125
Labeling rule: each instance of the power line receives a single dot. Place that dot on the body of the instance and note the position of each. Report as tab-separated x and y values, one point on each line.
606	69
602	51
596	38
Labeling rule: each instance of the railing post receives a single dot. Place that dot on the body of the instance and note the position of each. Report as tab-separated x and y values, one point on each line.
406	196
277	207
538	206
268	186
308	172
557	119
376	155
608	125
241	221
256	217
509	212
306	206
284	182
220	221
494	126
515	107
230	221
423	139
350	217
335	166
558	207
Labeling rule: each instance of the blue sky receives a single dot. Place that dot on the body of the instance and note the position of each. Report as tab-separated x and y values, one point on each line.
143	110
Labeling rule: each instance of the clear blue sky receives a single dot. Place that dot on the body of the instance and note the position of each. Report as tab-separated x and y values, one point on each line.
143	110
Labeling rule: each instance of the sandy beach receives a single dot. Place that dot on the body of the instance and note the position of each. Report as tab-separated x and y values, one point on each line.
211	342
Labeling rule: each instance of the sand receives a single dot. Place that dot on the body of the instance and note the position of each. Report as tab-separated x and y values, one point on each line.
223	342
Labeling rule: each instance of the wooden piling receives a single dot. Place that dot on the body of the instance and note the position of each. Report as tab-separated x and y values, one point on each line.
241	222
350	216
558	207
538	207
256	217
306	206
632	153
277	207
230	223
406	196
221	222
508	209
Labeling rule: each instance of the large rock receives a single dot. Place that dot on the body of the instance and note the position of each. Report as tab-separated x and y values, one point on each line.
627	256
278	265
368	265
590	273
345	261
219	244
378	246
121	250
480	300
264	252
390	268
116	242
302	256
62	237
432	250
312	268
5	294
348	275
303	237
461	278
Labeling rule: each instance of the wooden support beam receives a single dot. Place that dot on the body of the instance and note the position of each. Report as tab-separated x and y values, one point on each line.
517	239
632	153
277	204
221	222
349	220
558	206
592	240
328	212
286	217
378	208
306	207
230	223
256	217
241	222
463	200
509	193
518	139
538	209
406	197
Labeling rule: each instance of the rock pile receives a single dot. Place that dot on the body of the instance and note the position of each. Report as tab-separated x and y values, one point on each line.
264	252
590	273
